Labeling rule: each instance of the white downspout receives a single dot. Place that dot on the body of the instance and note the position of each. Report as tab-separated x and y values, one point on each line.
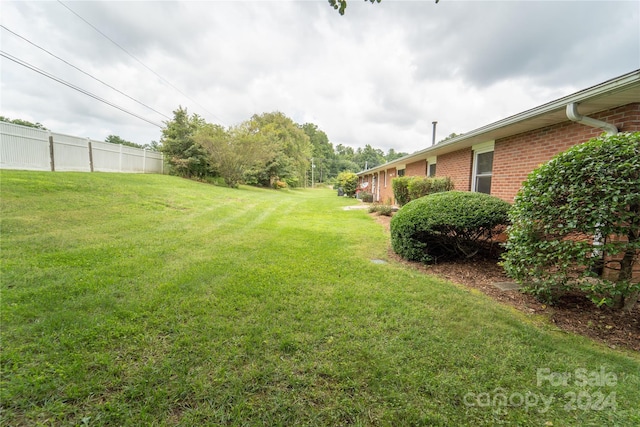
573	115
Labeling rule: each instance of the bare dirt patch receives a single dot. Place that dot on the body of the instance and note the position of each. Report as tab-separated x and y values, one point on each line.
573	313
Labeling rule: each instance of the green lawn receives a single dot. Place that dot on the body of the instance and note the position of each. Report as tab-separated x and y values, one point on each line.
153	300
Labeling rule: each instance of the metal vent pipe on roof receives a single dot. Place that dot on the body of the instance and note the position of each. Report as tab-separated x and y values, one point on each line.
573	115
433	138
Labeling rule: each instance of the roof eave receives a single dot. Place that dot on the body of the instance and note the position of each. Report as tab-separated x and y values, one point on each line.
621	83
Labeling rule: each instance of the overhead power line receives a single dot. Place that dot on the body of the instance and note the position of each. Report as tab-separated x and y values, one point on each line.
139	61
83	72
74	87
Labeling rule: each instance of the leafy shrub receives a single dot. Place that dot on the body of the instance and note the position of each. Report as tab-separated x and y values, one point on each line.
423	186
386	210
292	181
366	197
278	185
408	188
348	181
449	225
590	190
400	187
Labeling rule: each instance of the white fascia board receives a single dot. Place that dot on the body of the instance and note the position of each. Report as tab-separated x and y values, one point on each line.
616	84
484	147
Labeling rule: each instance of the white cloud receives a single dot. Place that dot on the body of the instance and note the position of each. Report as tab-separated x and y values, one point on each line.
378	75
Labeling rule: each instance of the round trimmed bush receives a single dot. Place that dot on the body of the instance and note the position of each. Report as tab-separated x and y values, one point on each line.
449	225
575	212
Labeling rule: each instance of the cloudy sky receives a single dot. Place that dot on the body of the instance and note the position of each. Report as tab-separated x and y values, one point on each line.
379	75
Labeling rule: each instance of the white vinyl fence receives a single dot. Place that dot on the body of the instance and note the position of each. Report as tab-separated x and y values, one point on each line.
28	148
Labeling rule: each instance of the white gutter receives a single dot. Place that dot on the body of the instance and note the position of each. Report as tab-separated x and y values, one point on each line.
574	116
610	86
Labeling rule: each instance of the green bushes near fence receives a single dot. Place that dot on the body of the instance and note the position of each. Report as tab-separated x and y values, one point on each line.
408	188
448	225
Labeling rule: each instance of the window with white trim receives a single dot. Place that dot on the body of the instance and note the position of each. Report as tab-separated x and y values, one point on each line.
482	167
431	166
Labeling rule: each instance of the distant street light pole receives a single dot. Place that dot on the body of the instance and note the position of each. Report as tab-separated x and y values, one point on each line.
313	166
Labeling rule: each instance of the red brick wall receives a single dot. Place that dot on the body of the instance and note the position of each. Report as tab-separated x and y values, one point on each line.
457	166
516	156
612	264
386	193
418	168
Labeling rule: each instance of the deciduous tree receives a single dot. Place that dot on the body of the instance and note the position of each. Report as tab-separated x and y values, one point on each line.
114	139
291	149
234	152
393	155
368	157
23	123
324	156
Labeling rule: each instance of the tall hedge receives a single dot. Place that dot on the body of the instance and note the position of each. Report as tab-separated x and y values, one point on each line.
448	225
574	212
400	187
423	186
408	188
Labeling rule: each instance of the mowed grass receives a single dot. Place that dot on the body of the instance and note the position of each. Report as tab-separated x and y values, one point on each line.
152	300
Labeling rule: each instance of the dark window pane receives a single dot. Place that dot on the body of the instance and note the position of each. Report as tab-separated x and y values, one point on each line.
485	163
432	170
401	172
483	184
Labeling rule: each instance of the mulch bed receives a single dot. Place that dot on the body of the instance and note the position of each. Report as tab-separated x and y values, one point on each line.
573	313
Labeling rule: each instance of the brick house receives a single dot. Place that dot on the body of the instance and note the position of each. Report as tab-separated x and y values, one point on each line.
497	158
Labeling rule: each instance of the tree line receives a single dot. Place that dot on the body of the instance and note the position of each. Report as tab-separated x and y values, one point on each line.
269	149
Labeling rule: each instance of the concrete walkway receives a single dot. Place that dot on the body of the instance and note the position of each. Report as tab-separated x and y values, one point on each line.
507	286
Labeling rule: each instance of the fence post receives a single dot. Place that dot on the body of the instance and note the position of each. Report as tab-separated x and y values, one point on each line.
90	154
51	156
144	161
120	159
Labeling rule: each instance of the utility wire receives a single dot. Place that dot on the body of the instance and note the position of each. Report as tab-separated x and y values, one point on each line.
139	61
84	72
74	87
